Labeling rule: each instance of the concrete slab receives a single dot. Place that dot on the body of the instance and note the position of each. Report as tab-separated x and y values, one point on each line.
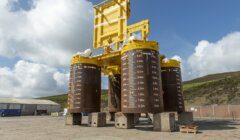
73	119
164	122
111	116
124	121
97	119
136	118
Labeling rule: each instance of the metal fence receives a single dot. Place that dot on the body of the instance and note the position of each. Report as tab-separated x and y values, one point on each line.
216	111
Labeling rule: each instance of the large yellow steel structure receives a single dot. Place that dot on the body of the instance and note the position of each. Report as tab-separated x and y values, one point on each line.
110	22
111	29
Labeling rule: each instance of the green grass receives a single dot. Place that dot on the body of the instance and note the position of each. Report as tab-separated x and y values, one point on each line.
193	85
62	99
213	77
104	99
222	90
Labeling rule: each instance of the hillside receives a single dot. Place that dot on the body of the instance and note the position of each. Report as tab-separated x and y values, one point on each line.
223	88
213	77
62	99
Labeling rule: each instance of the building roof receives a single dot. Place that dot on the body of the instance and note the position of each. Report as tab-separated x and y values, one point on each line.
26	101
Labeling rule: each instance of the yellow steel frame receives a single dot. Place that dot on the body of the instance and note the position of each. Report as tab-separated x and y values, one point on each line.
142	26
110	22
110	63
110	27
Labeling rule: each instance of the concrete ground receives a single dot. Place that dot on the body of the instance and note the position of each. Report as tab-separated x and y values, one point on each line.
53	128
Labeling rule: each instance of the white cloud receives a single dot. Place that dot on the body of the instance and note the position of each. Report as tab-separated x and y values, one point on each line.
44	38
50	33
31	80
176	57
215	57
61	78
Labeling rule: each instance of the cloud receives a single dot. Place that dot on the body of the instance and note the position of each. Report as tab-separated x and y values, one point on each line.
176	57
215	57
30	80
50	32
43	35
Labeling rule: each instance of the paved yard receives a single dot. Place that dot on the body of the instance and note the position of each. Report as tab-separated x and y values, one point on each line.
50	128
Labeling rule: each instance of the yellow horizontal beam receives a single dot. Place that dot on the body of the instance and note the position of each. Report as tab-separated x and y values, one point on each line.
139	44
170	63
142	26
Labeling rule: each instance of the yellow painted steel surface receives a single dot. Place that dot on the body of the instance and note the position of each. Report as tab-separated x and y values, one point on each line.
137	44
110	22
142	26
112	70
170	63
110	59
77	59
110	63
115	37
110	27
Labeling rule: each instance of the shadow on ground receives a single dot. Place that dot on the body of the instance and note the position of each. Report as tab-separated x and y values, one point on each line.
216	124
203	125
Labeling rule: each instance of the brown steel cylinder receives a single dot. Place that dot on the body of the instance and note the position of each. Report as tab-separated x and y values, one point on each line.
172	88
141	92
84	88
114	94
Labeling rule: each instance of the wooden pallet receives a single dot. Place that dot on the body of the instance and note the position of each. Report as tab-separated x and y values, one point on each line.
188	129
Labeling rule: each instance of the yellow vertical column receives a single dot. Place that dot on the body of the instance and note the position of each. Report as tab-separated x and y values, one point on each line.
120	29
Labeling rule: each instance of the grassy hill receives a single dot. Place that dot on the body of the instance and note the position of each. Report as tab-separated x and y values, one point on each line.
223	88
62	99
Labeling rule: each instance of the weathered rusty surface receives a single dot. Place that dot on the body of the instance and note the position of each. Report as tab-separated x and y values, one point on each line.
84	88
141	91
114	94
172	88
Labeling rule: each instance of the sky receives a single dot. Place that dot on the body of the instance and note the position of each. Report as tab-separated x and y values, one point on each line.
39	37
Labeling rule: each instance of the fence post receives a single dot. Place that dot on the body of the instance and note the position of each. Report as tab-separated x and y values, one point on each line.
228	111
213	112
200	109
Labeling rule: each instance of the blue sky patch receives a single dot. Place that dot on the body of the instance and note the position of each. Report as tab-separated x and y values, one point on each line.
21	5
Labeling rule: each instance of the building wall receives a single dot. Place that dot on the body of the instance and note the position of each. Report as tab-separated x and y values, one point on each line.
49	108
14	106
54	108
28	110
31	109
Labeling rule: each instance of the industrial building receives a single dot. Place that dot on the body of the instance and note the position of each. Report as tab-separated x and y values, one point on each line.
27	107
